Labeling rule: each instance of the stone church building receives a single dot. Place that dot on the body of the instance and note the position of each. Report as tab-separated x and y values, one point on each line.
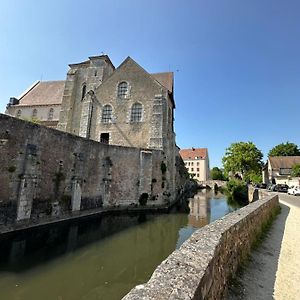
124	106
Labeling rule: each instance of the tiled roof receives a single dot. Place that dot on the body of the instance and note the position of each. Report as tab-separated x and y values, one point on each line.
284	162
165	79
43	93
192	153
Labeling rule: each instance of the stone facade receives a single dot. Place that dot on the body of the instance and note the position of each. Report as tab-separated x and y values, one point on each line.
126	106
203	265
46	172
41	102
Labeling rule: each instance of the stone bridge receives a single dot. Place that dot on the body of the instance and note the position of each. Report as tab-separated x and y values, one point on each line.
211	183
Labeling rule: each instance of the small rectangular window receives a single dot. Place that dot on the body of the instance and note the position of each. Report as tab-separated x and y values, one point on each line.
104	138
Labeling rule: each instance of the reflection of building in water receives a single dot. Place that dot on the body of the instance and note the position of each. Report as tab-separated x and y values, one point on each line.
199	210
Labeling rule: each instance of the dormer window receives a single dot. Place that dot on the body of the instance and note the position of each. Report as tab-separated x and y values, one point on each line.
123	89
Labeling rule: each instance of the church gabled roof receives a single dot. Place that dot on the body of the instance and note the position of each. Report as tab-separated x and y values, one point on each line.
43	93
165	79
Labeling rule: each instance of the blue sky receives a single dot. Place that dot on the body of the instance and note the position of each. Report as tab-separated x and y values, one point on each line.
236	63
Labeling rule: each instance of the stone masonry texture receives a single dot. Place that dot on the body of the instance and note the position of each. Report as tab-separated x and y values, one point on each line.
203	265
45	172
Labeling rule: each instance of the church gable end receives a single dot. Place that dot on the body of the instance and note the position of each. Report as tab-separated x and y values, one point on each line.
136	115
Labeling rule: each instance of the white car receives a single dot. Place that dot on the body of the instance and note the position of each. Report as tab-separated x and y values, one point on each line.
294	190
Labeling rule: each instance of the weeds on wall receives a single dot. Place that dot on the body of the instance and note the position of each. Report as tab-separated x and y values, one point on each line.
143	199
11	169
163	167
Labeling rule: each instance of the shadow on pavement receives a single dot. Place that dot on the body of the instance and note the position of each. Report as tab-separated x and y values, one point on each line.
257	279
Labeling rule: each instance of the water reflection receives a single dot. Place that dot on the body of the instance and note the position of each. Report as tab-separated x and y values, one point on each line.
101	258
205	207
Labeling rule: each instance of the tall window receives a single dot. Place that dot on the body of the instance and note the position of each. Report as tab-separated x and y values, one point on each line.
50	114
122	89
19	112
106	113
83	91
136	112
34	113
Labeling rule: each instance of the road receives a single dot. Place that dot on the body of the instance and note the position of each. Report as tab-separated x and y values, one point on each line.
273	270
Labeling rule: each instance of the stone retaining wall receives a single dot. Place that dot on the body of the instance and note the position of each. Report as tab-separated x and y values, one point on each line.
48	173
202	266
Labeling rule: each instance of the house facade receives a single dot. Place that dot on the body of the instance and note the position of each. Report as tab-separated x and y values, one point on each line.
278	170
196	161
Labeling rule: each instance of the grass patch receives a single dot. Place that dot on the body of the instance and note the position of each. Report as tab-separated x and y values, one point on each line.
265	227
235	285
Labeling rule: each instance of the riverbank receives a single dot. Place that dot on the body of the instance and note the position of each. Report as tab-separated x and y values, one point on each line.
98	212
104	257
273	268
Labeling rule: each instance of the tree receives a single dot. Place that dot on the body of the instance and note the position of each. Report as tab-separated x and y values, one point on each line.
285	149
296	170
243	158
216	174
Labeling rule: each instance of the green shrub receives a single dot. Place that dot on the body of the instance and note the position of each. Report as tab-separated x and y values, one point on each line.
11	169
143	199
163	167
238	190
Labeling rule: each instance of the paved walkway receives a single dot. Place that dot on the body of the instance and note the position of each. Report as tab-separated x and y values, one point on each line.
273	271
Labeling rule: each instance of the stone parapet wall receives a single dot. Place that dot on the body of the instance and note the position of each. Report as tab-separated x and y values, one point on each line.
203	265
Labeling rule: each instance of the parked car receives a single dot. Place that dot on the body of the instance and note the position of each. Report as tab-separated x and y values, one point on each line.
260	185
271	187
283	188
294	190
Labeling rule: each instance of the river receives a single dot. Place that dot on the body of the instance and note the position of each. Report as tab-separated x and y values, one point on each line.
99	258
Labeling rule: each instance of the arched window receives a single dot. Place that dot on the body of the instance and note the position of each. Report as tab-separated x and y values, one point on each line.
106	113
136	112
122	89
50	114
83	91
34	113
18	114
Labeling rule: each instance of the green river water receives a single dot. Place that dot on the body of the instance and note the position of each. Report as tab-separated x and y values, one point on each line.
100	258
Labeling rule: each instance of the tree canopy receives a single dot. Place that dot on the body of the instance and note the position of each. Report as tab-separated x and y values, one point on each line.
296	170
217	174
285	149
243	158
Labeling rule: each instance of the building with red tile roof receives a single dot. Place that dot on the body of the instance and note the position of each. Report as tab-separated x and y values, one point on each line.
196	161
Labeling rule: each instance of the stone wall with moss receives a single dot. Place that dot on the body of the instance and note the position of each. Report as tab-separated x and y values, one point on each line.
202	267
46	172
